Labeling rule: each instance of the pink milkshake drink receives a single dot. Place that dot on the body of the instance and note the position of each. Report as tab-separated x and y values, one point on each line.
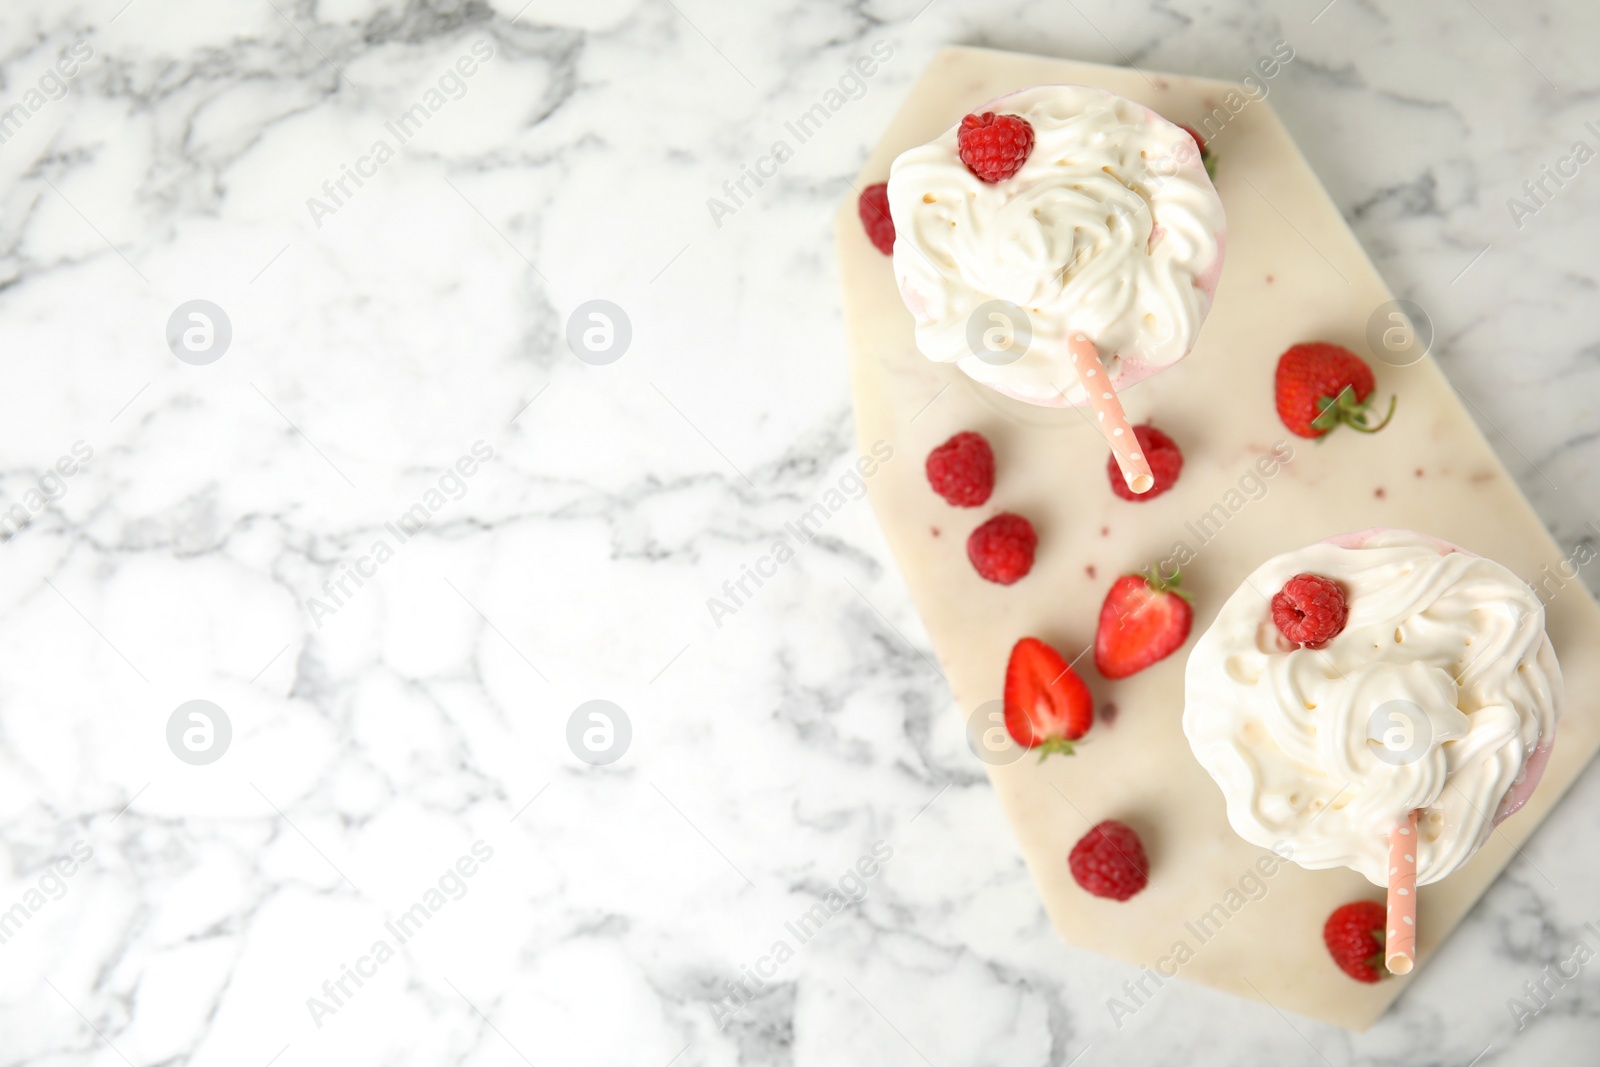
1108	239
1395	746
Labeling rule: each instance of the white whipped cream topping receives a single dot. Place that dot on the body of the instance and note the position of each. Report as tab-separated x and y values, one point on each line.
1111	229
1289	734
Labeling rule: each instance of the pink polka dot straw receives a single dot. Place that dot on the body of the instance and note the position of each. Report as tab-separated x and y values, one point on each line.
1400	947
1109	416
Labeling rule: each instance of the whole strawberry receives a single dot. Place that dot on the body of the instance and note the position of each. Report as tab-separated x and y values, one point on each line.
962	470
1110	862
874	210
1164	457
994	147
1142	621
1002	549
1319	386
1047	705
1354	936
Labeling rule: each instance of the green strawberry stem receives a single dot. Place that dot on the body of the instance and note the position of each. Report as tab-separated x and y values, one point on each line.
1055	745
1166	583
1346	409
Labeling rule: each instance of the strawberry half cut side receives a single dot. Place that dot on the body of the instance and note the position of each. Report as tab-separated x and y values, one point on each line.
1047	706
1143	621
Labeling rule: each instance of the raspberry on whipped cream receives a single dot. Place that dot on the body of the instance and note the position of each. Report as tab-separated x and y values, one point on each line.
1110	228
1440	694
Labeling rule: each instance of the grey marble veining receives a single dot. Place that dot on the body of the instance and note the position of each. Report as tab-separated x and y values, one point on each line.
390	734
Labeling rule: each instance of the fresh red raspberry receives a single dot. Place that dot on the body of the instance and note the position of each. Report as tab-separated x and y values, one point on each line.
1310	610
1164	457
1354	936
1002	548
1109	861
962	470
874	210
994	147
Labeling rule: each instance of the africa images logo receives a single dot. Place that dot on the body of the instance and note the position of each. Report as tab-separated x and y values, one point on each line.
451	86
452	884
451	485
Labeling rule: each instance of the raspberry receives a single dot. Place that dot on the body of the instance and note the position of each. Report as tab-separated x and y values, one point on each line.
962	470
1309	610
1002	548
874	210
1109	861
1354	936
1165	460
994	147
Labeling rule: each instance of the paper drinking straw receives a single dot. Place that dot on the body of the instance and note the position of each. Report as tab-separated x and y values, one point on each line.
1109	416
1400	947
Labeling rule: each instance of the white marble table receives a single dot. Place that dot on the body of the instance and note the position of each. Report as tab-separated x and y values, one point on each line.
394	855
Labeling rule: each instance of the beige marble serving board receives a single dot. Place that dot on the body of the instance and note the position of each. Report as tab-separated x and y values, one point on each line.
1294	272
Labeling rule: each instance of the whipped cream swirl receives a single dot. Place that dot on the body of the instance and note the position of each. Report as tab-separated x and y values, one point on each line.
1111	229
1433	697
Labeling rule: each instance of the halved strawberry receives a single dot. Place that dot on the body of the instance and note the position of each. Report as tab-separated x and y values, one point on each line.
1047	705
1143	620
